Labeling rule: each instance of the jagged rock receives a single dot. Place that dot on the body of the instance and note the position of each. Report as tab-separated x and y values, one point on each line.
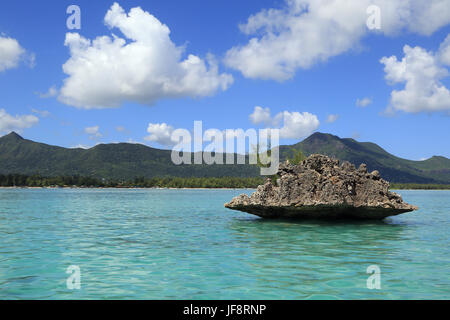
321	187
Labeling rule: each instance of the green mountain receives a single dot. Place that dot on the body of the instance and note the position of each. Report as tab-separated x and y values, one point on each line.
112	161
126	161
392	168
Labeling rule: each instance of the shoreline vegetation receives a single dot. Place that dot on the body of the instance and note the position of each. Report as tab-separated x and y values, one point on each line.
418	186
37	181
116	161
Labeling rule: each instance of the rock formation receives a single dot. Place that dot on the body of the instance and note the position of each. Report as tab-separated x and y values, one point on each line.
321	187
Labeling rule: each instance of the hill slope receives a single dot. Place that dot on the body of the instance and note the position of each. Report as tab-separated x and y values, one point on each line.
126	161
113	161
392	168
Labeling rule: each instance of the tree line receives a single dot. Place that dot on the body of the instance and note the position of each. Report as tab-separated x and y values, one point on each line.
418	186
20	180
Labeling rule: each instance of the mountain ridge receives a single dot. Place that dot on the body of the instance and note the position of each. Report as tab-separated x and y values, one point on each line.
126	160
433	170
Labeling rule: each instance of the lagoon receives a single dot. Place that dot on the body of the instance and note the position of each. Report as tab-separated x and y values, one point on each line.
183	244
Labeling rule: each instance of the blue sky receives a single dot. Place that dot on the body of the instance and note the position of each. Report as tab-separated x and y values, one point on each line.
323	77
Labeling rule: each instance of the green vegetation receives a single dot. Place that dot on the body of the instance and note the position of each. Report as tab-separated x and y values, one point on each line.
125	161
122	161
435	170
19	180
263	160
416	186
297	158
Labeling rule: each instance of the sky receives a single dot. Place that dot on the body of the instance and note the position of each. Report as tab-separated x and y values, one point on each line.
134	71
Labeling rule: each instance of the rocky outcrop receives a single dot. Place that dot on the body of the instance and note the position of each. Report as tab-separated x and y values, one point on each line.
321	187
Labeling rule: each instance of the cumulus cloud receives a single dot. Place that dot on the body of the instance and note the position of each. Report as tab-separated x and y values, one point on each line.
93	132
364	102
10	123
296	125
142	67
160	133
306	32
261	115
421	71
10	53
332	118
444	51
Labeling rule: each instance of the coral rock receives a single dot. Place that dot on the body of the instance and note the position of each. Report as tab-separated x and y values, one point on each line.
320	187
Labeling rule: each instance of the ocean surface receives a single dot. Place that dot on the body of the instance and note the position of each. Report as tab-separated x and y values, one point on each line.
183	244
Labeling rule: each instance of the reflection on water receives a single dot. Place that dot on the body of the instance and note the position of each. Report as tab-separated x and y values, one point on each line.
182	244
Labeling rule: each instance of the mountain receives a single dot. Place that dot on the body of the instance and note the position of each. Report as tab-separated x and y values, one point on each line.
392	168
126	161
112	161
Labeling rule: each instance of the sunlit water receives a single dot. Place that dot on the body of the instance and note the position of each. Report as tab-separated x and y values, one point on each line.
183	244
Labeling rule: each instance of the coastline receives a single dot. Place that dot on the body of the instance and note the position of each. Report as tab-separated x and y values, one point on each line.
131	188
193	188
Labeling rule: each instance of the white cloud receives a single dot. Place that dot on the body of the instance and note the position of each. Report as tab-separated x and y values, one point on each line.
10	123
81	146
160	133
52	92
306	32
421	72
332	118
85	146
444	51
41	113
10	53
261	115
93	132
30	60
296	125
143	67
132	141
364	102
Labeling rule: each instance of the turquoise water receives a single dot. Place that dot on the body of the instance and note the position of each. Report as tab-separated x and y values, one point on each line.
182	244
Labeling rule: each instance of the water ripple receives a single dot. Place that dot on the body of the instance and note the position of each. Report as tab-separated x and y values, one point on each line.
182	244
